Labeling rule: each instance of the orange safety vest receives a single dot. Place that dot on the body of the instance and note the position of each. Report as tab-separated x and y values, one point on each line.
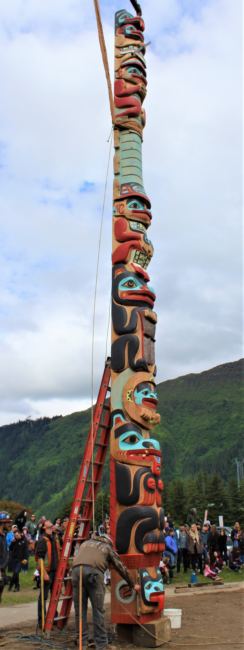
48	557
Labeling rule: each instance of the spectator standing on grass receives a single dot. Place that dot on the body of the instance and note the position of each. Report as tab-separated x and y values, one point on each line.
171	549
32	527
20	520
241	545
164	569
204	540
195	548
40	527
29	542
182	556
235	534
3	558
18	558
10	535
48	550
213	543
58	529
234	560
223	545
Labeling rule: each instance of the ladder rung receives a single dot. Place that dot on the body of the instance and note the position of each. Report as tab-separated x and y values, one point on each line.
59	618
102	426
106	408
65	597
101	444
67	578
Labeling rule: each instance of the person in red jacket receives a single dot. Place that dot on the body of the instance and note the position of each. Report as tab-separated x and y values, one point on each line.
48	550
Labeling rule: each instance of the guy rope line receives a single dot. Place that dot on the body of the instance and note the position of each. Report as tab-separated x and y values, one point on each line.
93	326
111	103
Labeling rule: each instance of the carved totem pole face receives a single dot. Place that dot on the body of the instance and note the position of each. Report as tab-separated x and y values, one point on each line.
136	487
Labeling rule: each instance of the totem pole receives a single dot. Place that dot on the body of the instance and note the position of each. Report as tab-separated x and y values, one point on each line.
136	514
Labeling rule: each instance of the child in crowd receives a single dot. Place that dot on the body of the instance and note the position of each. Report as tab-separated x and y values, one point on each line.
234	560
217	563
163	565
209	573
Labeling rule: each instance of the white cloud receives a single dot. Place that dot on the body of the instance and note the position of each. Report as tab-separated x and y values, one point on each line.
54	126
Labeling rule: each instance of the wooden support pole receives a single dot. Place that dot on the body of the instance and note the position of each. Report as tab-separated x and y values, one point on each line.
80	609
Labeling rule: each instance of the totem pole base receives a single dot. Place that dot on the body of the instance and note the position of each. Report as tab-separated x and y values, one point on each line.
151	635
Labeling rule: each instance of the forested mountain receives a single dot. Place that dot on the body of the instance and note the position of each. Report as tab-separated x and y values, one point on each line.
201	433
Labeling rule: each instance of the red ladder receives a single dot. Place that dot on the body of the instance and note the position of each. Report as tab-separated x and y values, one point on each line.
86	489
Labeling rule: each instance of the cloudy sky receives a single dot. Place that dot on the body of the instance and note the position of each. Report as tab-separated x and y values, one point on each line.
54	151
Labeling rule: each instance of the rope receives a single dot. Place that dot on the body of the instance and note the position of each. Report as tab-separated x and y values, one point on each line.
104	56
35	639
93	327
185	645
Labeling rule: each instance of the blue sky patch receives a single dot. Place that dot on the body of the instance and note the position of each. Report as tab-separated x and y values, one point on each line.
87	186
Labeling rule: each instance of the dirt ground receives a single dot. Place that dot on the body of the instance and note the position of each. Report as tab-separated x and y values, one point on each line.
213	621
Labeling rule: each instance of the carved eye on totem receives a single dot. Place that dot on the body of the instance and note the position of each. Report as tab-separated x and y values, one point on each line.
135	204
147	393
130	284
132	439
129	29
134	70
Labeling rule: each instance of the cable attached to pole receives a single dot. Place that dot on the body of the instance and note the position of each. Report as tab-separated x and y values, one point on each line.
93	329
104	57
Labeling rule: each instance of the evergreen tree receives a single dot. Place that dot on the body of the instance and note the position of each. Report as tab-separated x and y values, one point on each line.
101	506
177	501
217	497
241	516
235	501
191	494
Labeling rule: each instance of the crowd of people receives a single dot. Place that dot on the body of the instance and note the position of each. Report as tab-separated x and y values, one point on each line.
195	546
18	541
201	548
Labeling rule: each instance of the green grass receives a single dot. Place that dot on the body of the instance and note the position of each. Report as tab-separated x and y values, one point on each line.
226	575
26	593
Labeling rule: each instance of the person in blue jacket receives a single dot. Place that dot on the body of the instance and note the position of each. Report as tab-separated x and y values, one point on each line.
171	549
10	535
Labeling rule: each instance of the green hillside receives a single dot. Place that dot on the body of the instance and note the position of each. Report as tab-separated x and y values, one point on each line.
201	431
